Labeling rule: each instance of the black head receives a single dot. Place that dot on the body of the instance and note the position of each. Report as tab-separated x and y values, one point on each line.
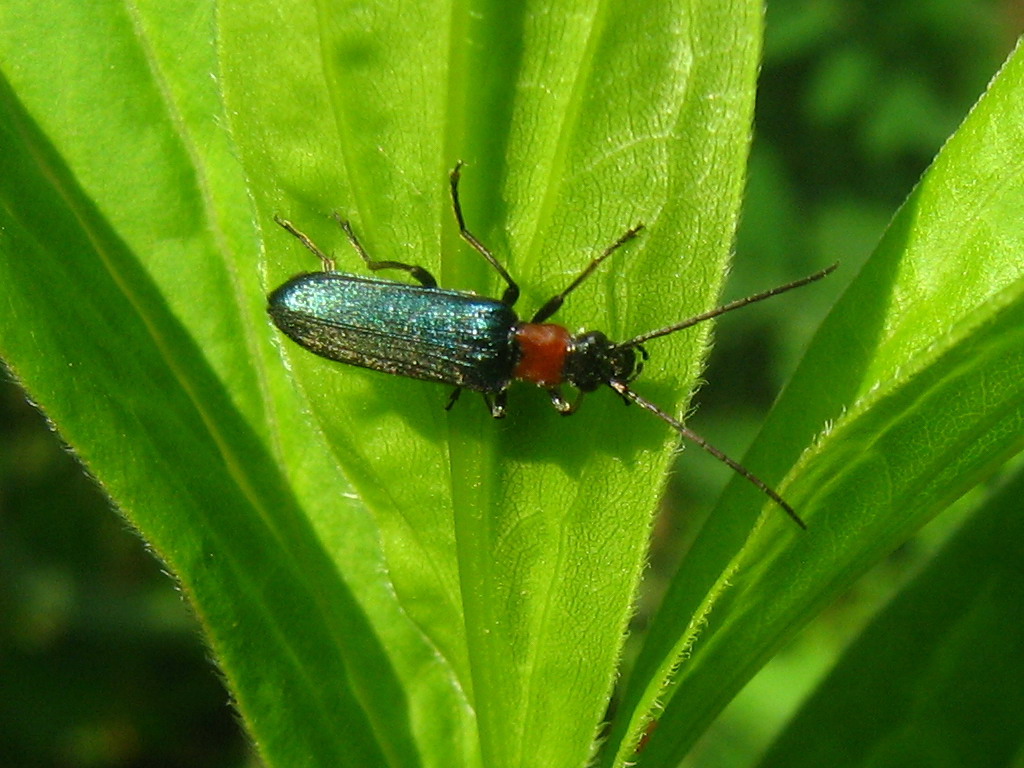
595	361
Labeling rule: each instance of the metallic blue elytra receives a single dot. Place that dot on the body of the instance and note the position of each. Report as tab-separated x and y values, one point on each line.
432	334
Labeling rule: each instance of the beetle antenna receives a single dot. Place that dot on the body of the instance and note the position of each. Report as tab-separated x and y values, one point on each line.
692	436
728	308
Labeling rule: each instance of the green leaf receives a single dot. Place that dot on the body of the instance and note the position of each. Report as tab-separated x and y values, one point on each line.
937	676
919	373
381	582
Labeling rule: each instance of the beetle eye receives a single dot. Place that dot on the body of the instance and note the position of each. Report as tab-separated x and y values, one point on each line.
623	364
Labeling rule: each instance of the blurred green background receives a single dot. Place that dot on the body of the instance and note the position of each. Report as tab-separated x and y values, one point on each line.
101	663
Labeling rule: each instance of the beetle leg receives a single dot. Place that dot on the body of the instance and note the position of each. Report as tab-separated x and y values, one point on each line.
511	294
417	273
562	405
553	304
303	238
497	405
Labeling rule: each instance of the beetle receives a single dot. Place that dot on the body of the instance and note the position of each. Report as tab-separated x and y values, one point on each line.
473	342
